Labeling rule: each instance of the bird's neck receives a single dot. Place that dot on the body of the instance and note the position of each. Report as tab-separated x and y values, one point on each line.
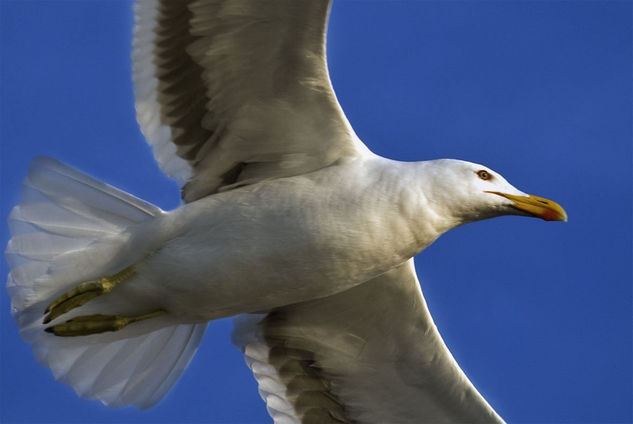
412	193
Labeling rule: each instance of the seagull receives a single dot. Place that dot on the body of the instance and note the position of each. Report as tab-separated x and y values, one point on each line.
289	222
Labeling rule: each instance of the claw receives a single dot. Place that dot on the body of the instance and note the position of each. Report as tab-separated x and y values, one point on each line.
93	324
85	292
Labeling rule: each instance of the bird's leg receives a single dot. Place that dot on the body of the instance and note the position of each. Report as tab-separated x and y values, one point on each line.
85	292
94	324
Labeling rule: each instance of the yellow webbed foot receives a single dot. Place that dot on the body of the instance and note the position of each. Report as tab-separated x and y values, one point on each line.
85	292
94	324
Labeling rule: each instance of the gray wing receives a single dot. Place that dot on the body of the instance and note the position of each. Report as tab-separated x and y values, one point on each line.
371	354
230	92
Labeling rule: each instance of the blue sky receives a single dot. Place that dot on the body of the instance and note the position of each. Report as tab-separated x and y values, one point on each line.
538	314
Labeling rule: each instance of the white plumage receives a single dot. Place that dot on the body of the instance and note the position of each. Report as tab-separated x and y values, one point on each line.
367	343
70	228
288	214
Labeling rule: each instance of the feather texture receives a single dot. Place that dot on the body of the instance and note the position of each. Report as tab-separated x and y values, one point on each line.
67	229
368	355
209	74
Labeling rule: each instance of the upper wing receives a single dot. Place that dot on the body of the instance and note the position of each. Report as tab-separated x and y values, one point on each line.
371	354
229	92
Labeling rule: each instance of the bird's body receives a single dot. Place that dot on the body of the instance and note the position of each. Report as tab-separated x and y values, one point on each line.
286	213
281	241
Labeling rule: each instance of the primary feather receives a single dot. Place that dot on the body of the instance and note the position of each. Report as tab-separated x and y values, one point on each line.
371	354
210	72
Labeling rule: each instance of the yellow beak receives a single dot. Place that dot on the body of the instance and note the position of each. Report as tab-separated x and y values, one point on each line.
536	206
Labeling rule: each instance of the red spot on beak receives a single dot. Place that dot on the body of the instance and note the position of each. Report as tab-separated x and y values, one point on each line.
550	215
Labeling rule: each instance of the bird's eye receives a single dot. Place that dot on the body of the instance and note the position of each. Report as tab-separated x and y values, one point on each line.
484	175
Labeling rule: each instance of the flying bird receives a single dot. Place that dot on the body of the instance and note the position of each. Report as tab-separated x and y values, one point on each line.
289	222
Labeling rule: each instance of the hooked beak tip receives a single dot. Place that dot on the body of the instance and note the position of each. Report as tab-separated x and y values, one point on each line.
536	206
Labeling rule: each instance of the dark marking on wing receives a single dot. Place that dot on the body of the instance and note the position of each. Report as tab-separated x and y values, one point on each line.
308	389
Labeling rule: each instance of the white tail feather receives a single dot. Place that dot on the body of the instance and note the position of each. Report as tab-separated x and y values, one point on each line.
70	228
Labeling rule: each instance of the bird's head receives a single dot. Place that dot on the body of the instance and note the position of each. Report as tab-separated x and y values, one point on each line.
472	192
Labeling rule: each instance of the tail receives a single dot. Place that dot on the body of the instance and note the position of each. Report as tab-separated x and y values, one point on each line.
71	228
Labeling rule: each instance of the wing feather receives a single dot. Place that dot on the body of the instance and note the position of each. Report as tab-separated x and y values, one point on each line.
371	354
231	92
